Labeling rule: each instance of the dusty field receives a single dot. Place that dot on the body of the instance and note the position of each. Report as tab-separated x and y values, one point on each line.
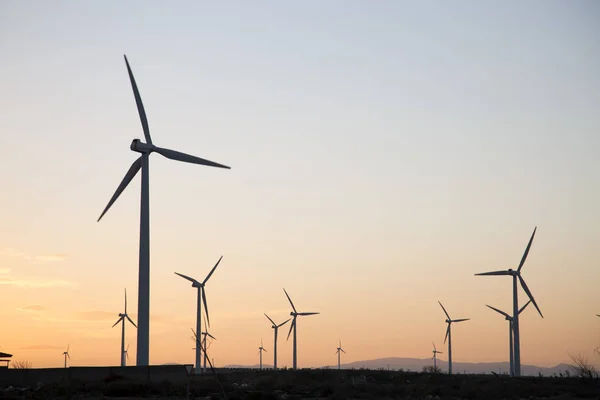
321	384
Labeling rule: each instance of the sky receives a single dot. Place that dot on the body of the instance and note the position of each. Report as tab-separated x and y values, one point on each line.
382	153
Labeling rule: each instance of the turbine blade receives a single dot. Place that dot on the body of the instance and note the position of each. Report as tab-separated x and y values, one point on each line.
461	320
265	350
212	270
119	320
499	311
343	351
308	313
447	333
283	323
439	352
127	347
187	277
524	285
493	273
125	300
133	170
291	327
138	102
178	156
525	306
445	312
205	305
68	355
132	323
290	300
274	324
526	251
211	336
434	349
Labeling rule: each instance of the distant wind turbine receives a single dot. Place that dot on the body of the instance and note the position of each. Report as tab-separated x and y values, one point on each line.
204	346
510	334
66	354
122	317
275	329
145	149
260	350
435	353
448	337
127	353
294	315
516	275
201	298
338	352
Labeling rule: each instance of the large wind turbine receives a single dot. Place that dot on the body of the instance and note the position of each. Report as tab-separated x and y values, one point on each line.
295	314
448	337
516	275
275	329
127	353
260	350
510	334
66	354
145	149
435	353
339	351
201	298
122	317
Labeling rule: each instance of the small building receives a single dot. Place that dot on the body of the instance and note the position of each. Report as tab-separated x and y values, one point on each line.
4	358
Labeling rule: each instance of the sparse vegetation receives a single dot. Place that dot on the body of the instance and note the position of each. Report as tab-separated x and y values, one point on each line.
21	364
582	367
430	369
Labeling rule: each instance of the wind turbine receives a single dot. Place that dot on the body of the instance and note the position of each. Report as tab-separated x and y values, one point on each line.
339	351
510	334
127	353
142	162
435	353
275	329
201	298
204	335
448	337
66	354
122	317
260	350
516	275
295	314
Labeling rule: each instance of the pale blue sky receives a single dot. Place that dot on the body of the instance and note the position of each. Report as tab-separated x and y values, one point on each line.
402	145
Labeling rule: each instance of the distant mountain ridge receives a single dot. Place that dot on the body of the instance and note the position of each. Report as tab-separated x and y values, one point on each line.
417	364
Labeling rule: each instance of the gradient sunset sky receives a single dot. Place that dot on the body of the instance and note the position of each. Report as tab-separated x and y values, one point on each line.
382	153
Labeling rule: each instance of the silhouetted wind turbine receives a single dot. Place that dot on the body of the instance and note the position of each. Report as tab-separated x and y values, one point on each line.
127	353
260	350
201	298
338	352
435	353
204	346
122	317
66	354
295	314
510	334
448	337
516	275
275	329
145	149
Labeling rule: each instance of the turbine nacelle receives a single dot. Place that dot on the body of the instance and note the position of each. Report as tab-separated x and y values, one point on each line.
138	146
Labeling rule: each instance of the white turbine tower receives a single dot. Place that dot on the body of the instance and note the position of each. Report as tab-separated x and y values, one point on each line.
448	337
122	317
510	335
145	149
275	330
435	353
66	354
294	315
201	298
260	350
516	276
338	352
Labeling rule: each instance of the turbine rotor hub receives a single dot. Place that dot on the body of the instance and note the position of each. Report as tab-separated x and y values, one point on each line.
138	146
